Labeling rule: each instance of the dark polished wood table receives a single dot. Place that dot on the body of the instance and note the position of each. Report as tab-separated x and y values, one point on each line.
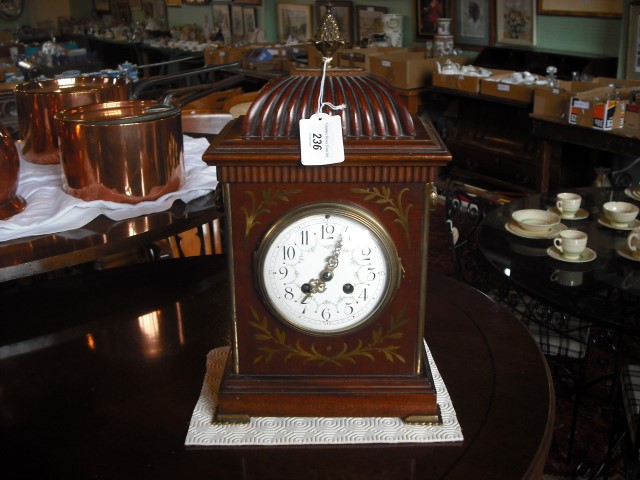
100	373
101	237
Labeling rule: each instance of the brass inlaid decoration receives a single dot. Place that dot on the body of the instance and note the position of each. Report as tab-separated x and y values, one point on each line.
380	343
269	198
382	196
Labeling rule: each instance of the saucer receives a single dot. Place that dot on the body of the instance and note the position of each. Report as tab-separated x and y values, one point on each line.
626	253
581	214
633	193
629	226
587	256
513	227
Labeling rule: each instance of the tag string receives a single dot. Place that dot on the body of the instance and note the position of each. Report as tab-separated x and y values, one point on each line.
321	102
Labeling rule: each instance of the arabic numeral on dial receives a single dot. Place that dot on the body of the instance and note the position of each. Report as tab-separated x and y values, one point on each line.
288	252
283	271
371	275
348	309
363	295
328	231
288	293
325	314
304	237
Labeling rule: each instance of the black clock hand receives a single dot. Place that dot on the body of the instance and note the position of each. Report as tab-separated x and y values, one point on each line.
319	285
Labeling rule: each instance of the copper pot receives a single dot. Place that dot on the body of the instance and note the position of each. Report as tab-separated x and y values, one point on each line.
127	151
39	101
10	203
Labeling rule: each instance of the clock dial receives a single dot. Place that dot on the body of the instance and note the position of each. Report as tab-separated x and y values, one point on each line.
327	268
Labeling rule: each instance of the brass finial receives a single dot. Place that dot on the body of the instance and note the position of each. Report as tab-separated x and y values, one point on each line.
328	38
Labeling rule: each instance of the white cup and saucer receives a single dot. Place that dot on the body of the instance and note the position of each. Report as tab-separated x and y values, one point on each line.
620	215
631	248
568	206
571	246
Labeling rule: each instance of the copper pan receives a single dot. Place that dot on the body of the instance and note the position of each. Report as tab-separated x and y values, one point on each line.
127	151
39	101
10	202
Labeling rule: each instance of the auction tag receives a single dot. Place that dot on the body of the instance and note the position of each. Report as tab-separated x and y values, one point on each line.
321	140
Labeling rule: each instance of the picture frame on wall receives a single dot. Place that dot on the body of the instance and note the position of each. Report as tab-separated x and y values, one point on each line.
473	22
237	21
581	8
368	21
221	16
343	13
632	62
516	22
294	23
428	12
173	3
249	20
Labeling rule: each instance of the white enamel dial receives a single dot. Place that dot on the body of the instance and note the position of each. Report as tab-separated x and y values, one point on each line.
327	268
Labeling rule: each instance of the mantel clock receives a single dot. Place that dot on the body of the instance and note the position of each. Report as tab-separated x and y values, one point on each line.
328	264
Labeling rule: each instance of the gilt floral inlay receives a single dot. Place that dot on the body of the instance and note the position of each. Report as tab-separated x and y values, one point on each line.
379	344
269	198
383	196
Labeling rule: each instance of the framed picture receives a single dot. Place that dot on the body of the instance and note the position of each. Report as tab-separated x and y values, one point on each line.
427	14
237	21
221	17
591	8
474	22
294	23
632	62
102	6
173	3
516	22
249	19
368	21
343	13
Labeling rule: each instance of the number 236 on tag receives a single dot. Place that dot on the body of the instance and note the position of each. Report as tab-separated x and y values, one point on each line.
321	140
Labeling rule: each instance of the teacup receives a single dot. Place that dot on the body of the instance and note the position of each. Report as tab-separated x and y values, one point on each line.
633	242
568	204
571	243
620	214
567	278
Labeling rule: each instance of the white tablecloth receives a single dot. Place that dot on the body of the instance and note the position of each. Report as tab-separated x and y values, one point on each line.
50	210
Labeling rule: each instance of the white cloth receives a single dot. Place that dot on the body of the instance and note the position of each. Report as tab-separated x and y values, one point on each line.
50	210
313	431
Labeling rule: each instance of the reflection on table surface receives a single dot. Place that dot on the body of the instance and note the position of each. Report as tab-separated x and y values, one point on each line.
101	372
605	290
100	237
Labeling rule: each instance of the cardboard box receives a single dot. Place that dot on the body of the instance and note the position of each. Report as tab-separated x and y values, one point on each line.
361	57
465	83
554	101
408	69
632	117
598	108
496	86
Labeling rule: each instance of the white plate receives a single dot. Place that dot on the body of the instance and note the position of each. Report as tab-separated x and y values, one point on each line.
629	226
513	227
633	193
588	255
581	214
626	253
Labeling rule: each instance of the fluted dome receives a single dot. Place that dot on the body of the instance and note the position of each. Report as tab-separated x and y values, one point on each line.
373	109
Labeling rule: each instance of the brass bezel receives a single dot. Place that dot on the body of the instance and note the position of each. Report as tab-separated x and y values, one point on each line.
368	220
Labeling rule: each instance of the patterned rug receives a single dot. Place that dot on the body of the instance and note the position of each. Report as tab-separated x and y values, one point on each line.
596	408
